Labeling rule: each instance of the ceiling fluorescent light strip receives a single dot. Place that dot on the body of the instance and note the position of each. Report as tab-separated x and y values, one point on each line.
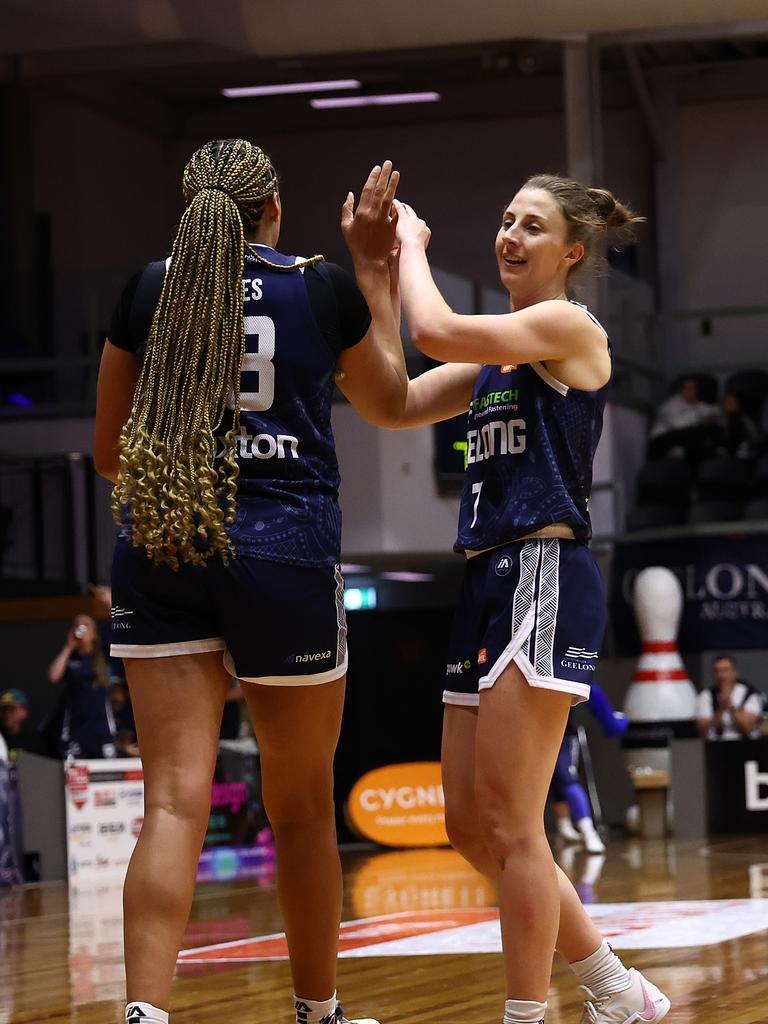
288	88
391	99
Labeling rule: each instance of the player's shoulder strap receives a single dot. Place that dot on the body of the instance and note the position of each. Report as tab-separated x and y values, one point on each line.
143	306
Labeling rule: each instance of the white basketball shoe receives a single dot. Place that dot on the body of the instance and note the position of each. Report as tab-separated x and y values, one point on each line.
339	1018
641	1002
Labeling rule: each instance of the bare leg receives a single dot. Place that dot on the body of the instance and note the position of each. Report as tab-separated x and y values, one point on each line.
577	936
519	731
297	728
178	704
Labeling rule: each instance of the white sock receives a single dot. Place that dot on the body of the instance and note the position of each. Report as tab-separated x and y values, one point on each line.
313	1011
602	972
522	1011
144	1013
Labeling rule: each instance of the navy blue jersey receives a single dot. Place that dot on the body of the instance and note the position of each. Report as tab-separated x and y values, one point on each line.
530	445
287	490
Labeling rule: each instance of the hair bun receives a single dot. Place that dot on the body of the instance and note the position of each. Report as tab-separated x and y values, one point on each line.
611	212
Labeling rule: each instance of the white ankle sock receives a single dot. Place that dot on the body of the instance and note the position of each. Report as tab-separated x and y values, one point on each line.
144	1013
602	972
522	1011
312	1011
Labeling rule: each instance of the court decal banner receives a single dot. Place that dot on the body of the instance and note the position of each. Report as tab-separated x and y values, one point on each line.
725	589
660	925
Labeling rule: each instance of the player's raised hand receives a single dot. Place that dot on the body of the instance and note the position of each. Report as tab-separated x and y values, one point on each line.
369	229
410	227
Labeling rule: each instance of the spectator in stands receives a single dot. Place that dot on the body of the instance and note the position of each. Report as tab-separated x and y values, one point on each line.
14	724
744	438
686	426
89	727
125	726
731	709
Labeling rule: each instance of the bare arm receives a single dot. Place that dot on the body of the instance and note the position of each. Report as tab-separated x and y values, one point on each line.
703	725
705	714
438	394
372	374
745	721
551	331
58	666
118	374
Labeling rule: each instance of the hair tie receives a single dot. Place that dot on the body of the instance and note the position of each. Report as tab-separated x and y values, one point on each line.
215	188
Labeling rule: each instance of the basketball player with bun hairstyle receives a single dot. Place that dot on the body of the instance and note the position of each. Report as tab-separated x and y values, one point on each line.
531	616
213	422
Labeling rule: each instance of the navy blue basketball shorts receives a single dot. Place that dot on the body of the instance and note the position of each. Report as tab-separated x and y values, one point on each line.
538	603
274	623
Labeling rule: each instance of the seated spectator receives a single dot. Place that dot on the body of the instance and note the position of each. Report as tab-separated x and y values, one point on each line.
731	709
14	725
89	727
743	436
686	426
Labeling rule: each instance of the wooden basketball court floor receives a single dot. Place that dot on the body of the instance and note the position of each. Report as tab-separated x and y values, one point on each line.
423	945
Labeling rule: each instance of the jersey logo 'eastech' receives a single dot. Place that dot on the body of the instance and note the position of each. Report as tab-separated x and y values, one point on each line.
495	398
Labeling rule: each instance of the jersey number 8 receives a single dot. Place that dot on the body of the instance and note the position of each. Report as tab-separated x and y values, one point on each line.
259	334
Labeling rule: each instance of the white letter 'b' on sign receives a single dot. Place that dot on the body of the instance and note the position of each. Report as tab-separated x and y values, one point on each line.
753	780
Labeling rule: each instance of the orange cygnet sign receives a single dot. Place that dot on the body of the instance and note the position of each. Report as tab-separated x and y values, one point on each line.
400	805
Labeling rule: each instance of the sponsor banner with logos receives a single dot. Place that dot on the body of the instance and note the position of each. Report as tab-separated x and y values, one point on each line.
238	842
737	785
725	589
400	805
105	810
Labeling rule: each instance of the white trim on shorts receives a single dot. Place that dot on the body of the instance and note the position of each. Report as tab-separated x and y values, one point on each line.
214	643
471	700
539	560
310	679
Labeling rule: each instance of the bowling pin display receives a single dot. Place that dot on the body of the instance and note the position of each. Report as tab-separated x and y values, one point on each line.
660	690
661	699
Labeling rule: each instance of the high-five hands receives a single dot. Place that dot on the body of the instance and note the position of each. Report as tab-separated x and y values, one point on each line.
369	230
410	227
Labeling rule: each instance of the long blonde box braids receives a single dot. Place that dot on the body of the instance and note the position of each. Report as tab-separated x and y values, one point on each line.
179	502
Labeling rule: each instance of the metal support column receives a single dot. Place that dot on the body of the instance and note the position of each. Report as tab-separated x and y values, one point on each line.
583	133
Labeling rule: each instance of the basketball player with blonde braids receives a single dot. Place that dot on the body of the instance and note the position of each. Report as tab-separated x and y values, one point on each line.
213	421
532	611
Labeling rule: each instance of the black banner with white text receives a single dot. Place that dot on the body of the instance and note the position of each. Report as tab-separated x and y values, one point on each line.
725	590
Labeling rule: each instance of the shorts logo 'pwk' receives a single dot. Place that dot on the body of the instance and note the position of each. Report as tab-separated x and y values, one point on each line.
456	668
